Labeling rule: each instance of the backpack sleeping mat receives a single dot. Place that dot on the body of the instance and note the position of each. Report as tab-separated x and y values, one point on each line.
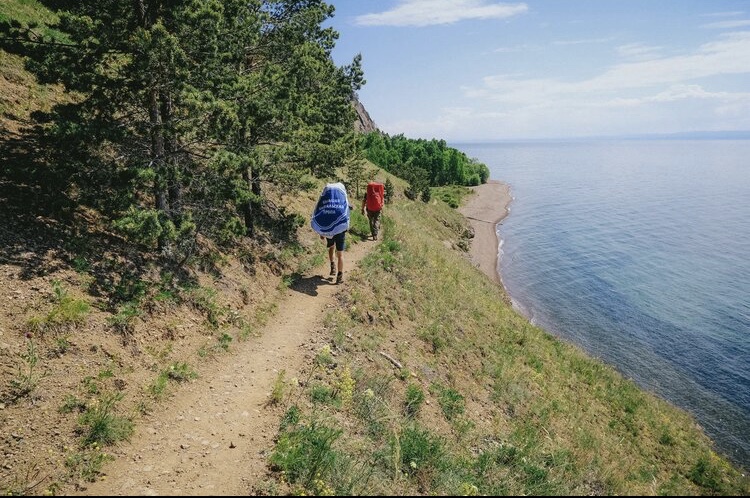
331	214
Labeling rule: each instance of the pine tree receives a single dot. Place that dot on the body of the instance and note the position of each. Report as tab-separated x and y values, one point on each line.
389	191
185	108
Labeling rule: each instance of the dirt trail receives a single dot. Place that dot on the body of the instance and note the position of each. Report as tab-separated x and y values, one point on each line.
213	436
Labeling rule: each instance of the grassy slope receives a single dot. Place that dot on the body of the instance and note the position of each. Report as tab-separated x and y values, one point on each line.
508	409
19	94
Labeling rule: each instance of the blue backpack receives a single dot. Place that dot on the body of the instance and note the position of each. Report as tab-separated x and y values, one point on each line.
331	214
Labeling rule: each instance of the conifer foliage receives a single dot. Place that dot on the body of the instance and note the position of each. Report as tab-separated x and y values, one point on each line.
423	163
182	110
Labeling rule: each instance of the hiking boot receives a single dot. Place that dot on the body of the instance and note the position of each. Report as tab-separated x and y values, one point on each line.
339	277
333	269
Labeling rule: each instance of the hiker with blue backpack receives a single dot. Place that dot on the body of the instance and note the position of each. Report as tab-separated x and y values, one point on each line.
330	220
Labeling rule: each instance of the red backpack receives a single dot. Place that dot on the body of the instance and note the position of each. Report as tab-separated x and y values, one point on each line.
375	196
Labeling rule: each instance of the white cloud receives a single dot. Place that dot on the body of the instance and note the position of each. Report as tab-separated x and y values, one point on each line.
728	24
585	41
657	95
517	48
681	92
431	12
638	51
725	14
730	54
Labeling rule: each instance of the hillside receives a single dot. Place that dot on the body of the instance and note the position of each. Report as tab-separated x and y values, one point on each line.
243	371
414	374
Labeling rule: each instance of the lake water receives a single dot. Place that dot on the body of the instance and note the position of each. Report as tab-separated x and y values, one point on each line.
638	251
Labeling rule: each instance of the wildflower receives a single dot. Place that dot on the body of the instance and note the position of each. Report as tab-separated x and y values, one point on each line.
469	489
346	386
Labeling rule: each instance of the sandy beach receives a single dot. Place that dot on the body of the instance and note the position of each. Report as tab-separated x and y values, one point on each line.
485	209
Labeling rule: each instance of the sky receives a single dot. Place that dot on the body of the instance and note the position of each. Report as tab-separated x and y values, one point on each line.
483	70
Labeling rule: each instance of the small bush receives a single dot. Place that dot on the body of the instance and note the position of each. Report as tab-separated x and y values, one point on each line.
706	475
323	394
305	453
204	300
421	451
389	191
102	425
124	320
279	387
324	358
145	227
87	464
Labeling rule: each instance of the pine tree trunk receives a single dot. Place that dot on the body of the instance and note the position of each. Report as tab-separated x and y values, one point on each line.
252	207
248	207
157	152
172	173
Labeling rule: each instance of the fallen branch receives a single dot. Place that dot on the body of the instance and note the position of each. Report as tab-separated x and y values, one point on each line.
391	359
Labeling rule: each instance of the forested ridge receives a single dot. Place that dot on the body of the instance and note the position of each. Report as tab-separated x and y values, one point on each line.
179	113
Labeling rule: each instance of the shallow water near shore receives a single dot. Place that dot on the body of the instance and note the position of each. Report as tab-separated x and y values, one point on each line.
638	251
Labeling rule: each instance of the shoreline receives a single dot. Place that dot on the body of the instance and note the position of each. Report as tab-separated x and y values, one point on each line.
487	207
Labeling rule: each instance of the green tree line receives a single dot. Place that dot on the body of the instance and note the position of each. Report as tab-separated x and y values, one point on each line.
181	112
423	163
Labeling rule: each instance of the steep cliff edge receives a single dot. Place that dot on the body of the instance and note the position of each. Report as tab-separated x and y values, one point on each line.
363	123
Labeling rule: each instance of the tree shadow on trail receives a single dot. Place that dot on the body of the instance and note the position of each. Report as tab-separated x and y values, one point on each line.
309	285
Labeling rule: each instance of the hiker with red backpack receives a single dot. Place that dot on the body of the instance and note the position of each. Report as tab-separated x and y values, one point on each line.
373	204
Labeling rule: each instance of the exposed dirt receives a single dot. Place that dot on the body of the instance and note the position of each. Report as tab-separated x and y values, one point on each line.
208	436
214	435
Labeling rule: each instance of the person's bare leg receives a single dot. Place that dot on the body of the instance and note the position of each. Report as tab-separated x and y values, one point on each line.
330	258
340	274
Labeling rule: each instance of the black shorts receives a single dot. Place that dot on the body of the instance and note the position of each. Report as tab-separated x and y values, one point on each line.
337	239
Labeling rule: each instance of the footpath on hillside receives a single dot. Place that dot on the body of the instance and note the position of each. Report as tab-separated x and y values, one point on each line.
214	435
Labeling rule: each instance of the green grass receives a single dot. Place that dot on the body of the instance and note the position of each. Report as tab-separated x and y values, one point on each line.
176	372
102	425
25	11
20	94
452	195
66	312
492	405
29	373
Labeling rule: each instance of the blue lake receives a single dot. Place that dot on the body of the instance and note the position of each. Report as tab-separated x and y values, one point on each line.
638	251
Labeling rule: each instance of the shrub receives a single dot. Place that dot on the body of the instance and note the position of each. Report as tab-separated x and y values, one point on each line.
305	452
103	425
421	451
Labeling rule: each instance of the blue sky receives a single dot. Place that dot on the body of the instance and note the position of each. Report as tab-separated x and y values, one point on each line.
473	70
